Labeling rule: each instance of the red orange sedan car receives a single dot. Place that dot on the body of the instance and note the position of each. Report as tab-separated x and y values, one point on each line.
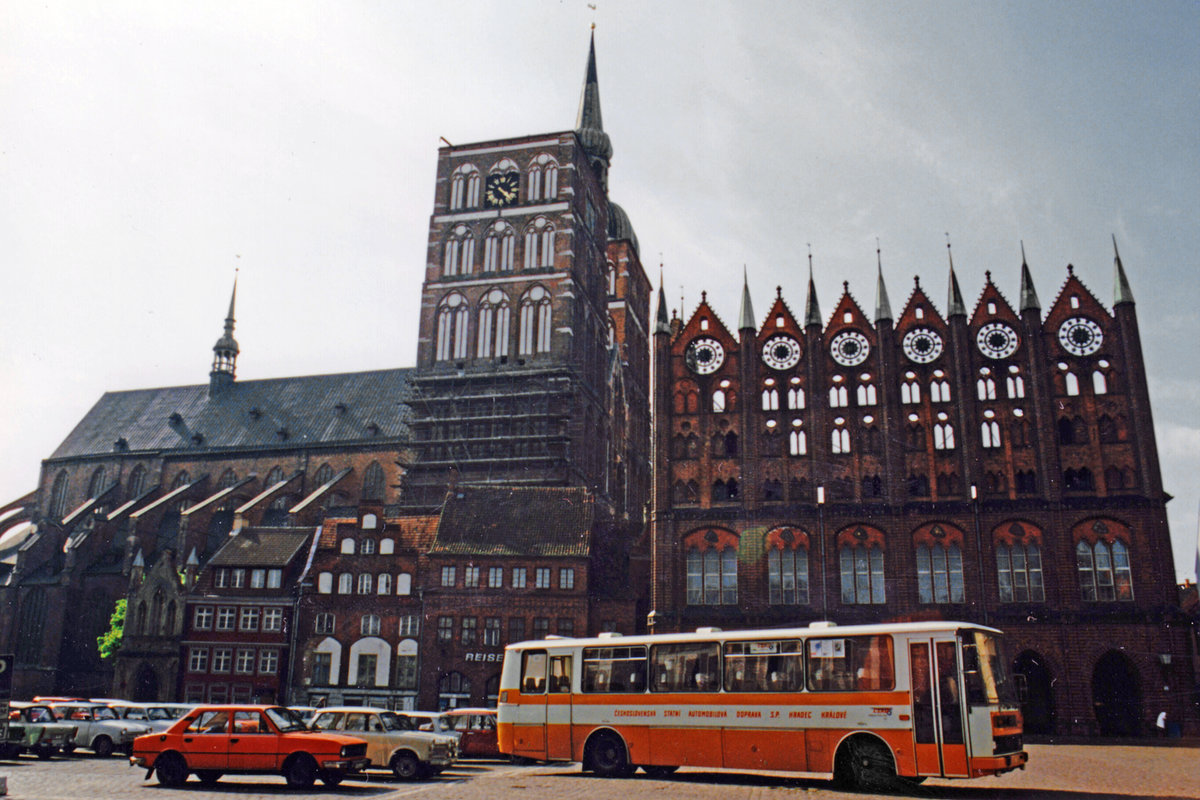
211	741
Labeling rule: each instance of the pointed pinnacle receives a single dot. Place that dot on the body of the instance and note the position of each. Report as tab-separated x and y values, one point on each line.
1121	293
746	316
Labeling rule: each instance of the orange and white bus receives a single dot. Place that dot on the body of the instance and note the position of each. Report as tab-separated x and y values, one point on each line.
860	704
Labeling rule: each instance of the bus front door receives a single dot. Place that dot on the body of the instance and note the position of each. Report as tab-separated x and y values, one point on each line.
529	729
937	708
558	709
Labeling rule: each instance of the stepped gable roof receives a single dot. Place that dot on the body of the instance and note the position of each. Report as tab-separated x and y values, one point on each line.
919	299
277	413
716	328
849	304
1088	303
516	521
262	547
992	293
779	309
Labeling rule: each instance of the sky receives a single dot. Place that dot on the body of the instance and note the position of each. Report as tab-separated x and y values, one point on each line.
150	149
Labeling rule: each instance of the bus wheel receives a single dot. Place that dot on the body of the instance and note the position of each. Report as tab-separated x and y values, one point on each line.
864	763
608	758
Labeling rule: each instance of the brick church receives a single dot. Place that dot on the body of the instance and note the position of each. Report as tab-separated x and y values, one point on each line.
558	462
991	464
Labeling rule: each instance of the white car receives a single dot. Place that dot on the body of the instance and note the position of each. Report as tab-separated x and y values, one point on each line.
393	741
99	729
157	716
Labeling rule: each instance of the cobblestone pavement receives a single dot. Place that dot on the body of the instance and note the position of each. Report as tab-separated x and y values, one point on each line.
1056	772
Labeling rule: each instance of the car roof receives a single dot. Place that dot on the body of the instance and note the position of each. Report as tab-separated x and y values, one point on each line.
359	709
462	712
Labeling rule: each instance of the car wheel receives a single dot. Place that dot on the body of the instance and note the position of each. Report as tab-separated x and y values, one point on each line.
300	771
608	756
171	769
46	753
331	778
68	749
208	776
9	751
102	746
405	766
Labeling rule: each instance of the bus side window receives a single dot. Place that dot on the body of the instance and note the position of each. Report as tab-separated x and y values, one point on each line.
560	674
533	672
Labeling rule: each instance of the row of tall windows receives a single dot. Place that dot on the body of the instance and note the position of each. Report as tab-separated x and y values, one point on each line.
499	248
366	583
474	577
711	572
541	181
493	337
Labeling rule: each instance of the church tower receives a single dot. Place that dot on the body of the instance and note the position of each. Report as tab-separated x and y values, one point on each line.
225	352
521	375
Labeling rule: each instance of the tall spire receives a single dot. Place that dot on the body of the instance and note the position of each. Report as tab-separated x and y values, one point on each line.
225	351
1121	291
662	324
1029	298
746	316
812	313
956	306
589	125
883	307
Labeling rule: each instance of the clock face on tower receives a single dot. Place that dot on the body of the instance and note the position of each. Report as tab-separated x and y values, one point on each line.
922	345
996	340
704	355
849	348
501	189
781	352
1080	336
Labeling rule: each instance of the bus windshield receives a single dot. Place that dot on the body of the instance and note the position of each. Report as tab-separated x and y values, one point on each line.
984	670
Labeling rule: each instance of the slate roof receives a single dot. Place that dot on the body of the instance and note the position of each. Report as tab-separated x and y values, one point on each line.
262	547
311	409
515	521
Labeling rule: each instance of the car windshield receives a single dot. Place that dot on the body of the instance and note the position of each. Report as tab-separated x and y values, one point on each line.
395	722
135	713
159	713
105	713
286	720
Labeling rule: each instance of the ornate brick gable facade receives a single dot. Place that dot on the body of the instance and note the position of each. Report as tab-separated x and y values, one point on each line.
999	468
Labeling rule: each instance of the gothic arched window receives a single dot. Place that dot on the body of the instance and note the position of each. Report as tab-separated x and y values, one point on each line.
711	558
58	495
535	321
464	187
137	481
499	246
860	557
452	319
787	567
493	325
543	178
459	256
539	244
372	488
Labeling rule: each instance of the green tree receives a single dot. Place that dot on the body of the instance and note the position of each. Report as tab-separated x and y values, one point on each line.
109	642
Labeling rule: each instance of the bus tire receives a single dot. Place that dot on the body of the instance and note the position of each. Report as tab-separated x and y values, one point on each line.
608	757
864	763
